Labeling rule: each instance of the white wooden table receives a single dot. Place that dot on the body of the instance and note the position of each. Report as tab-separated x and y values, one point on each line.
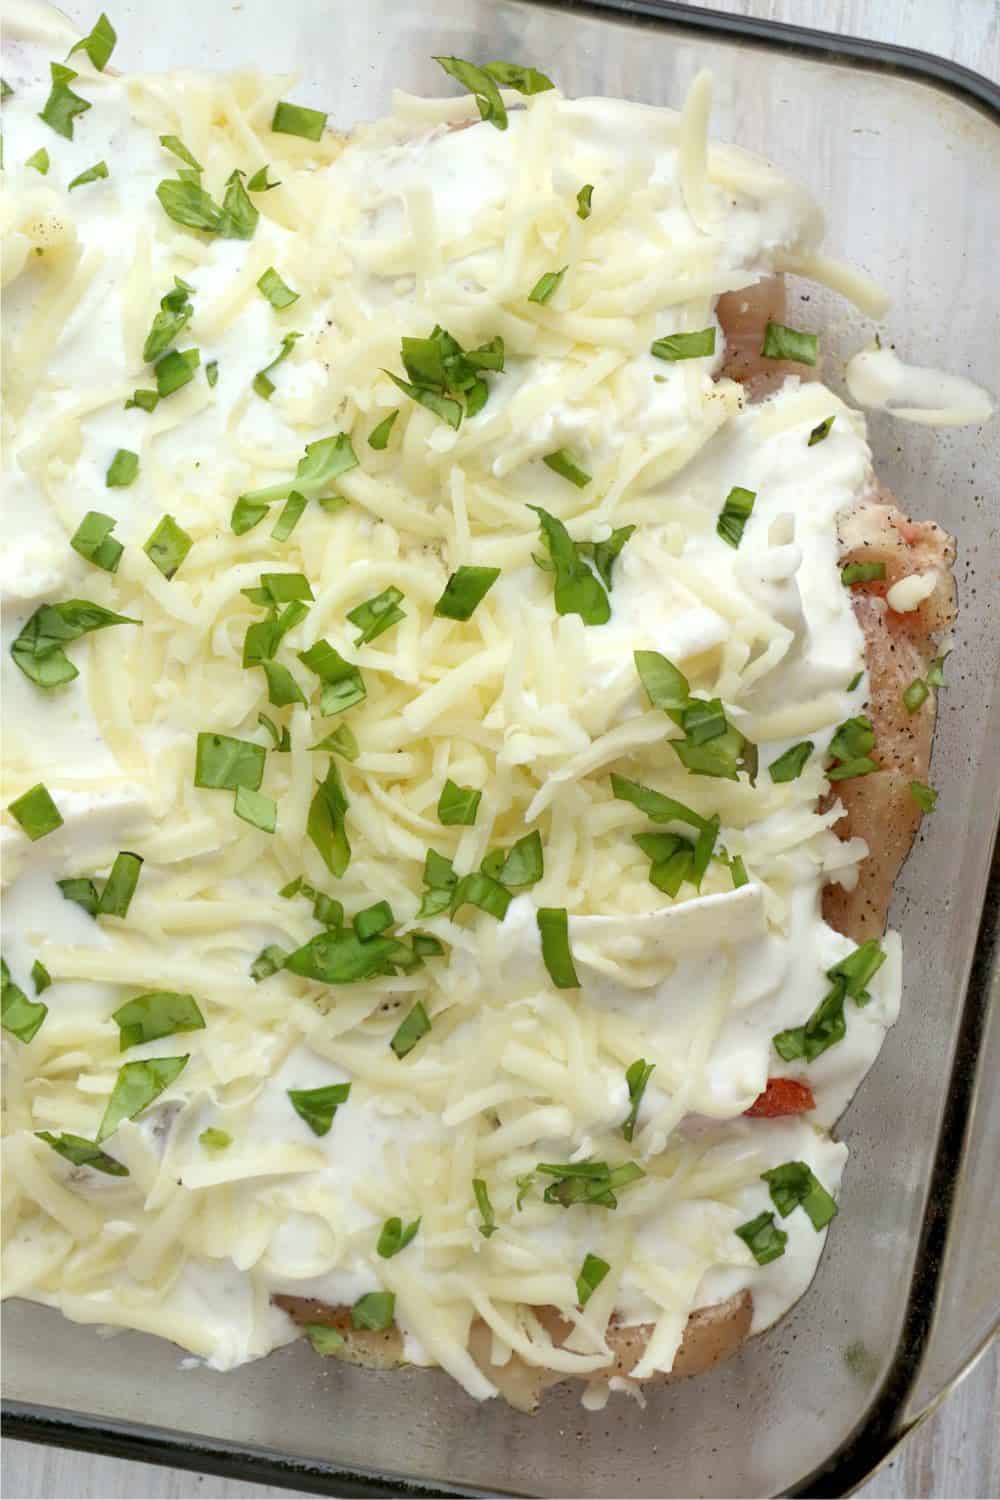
955	1454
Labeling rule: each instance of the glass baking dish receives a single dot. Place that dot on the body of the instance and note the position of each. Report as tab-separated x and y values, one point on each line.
903	151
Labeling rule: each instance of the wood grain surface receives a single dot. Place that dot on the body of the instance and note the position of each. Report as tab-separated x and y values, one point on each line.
955	1453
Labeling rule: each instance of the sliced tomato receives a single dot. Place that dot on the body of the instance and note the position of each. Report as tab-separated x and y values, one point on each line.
783	1096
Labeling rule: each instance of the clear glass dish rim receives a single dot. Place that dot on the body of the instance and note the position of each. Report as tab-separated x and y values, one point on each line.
884	1427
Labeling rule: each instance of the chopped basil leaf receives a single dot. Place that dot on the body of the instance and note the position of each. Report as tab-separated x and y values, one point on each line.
763	1238
821	431
18	1015
862	572
36	812
82	1153
604	553
341	958
734	515
781	342
393	1237
824	1028
442	406
477	889
793	1184
440	881
924	796
282	739
637	1075
553	927
376	615
378	438
258	183
246	515
464	592
263	385
583	201
159	1013
280	588
99	44
319	1106
789	767
256	808
914	695
268	961
516	76
322	462
136	1087
323	1339
855	680
39	160
458	805
546	285
487	1219
40	977
214	1139
478	82
62	105
375	1310
935	672
265	636
122	470
224	763
328	911
562	464
92	174
592	1273
186	202
212	372
857	969
660	808
861	765
677	346
93	541
343	685
523	865
325	824
524	1185
168	546
409	1032
282	688
850	746
275	290
577	590
119	888
176	145
239	216
373	921
672	861
175	313
666	686
144	400
591	1182
704	719
291	514
296	119
175	370
81	890
38	650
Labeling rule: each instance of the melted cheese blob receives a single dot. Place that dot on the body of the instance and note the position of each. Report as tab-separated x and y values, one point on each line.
412	223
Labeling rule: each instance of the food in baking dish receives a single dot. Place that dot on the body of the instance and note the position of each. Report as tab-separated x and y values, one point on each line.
467	702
